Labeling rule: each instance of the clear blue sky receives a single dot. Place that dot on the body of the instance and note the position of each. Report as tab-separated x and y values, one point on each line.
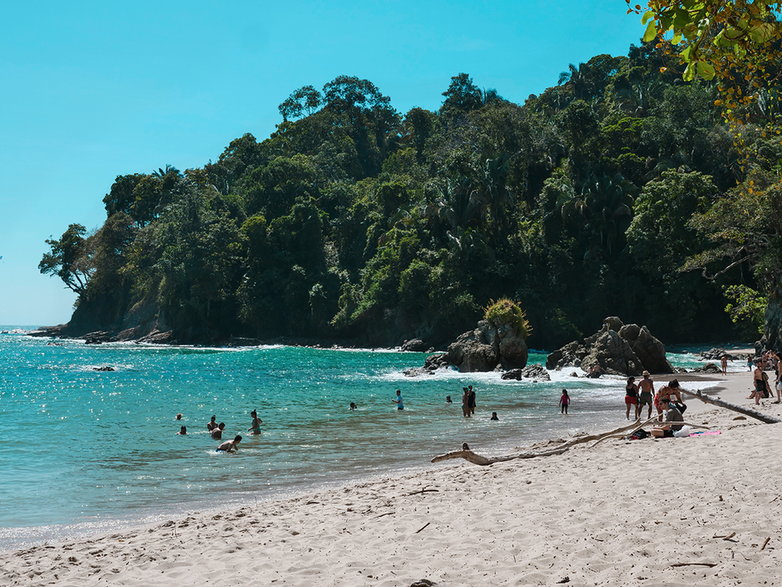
91	90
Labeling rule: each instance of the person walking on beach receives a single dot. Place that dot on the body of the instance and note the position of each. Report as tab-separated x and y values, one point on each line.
646	394
471	400
724	363
465	402
230	445
564	402
400	404
631	397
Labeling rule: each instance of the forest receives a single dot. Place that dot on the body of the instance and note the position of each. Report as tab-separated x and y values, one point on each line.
620	191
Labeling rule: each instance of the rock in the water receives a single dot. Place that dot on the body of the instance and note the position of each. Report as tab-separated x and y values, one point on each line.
415	345
708	368
535	372
512	374
473	351
97	337
157	337
104	368
431	364
616	349
716	354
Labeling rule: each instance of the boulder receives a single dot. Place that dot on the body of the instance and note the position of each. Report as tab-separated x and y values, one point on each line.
157	337
617	348
431	364
415	345
535	372
512	374
708	368
716	354
97	337
487	348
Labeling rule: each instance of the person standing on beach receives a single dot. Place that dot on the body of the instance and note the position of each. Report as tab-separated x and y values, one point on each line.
724	362
646	394
564	402
760	380
400	404
471	400
631	397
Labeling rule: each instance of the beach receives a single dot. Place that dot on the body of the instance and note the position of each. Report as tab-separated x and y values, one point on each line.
697	510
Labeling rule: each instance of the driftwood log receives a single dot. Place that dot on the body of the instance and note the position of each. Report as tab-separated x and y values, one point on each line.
598	438
728	406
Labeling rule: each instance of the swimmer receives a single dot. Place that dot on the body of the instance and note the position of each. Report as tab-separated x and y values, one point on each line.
353	406
255	427
230	445
179	416
217	431
448	399
212	424
182	431
494	417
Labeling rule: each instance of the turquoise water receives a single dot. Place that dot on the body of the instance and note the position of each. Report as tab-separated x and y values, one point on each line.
83	448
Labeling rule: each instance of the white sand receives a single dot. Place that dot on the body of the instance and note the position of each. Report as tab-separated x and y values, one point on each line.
623	513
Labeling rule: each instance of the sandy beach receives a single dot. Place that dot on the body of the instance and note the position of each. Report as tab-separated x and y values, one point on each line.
702	510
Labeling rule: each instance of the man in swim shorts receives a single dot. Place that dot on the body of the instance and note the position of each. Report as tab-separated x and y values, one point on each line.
230	445
646	394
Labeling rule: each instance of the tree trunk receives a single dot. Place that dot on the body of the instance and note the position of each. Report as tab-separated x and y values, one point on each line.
728	406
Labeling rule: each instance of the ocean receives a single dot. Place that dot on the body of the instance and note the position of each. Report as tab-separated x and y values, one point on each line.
86	450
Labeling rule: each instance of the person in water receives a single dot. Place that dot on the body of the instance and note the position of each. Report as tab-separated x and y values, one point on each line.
212	424
448	399
182	431
230	445
564	402
471	400
179	416
255	427
400	404
353	406
217	431
494	417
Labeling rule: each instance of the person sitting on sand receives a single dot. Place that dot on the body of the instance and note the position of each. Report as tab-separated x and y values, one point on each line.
564	402
212	424
631	397
671	415
667	392
646	394
217	431
182	431
255	427
400	404
494	417
230	445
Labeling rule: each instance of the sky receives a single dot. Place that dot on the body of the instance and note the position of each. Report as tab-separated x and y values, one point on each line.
92	90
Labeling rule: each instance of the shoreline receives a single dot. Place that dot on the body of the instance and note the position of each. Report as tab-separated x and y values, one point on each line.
529	521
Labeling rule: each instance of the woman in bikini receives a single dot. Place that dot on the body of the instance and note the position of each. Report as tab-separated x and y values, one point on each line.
631	397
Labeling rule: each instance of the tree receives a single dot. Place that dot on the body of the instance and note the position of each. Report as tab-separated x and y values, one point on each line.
303	101
461	96
70	259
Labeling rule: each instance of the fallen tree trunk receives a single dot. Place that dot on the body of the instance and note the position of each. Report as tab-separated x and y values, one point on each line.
728	406
481	460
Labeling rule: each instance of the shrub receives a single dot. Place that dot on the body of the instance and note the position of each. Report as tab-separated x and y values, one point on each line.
505	311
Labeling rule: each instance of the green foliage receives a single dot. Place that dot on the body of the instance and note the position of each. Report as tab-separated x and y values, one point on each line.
505	312
352	222
746	305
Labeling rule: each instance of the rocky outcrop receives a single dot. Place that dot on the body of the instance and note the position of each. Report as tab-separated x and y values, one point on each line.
708	368
415	345
536	372
617	348
488	347
716	354
432	364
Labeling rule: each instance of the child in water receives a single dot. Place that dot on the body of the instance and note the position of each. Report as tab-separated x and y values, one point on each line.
564	402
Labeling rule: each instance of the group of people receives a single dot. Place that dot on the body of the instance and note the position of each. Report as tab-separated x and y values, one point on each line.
216	431
667	401
760	381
